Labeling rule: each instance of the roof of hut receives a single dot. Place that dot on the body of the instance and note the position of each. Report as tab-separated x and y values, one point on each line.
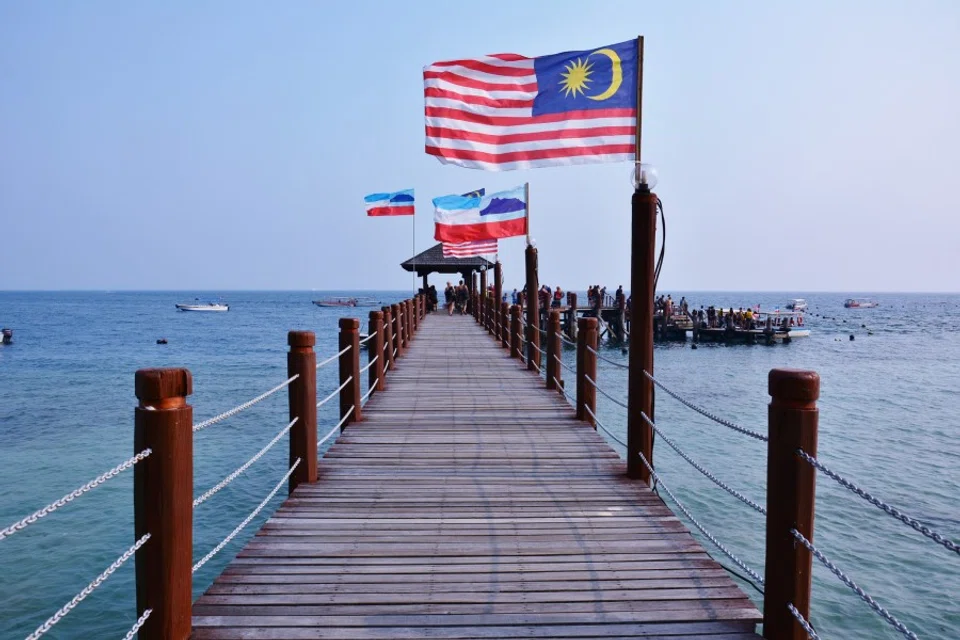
432	261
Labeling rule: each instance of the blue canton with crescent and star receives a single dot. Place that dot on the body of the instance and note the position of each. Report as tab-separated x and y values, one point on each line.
602	78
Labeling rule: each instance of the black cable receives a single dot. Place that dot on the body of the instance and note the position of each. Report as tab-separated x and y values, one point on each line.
742	577
663	245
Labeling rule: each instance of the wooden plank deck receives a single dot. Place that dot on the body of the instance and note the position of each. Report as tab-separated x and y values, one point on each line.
471	504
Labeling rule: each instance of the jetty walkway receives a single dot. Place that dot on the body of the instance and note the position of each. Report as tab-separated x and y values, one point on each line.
469	502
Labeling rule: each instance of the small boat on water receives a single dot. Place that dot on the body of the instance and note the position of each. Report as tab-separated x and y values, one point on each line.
6	336
797	305
202	306
855	303
357	301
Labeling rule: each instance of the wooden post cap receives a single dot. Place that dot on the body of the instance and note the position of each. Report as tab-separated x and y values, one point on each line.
348	324
302	339
587	323
159	384
794	385
376	315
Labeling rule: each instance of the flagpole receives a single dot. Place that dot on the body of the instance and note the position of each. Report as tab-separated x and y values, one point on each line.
526	201
413	224
639	97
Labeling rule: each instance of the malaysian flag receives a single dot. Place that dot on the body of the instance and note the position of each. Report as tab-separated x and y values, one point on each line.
469	249
507	111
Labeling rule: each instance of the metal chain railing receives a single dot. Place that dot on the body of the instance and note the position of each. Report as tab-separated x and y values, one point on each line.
90	588
750	572
609	397
568	340
605	359
369	337
246	465
132	633
335	392
705	413
562	364
370	390
335	356
246	520
564	391
720	483
803	622
886	615
73	495
334	431
597	422
370	364
246	405
877	502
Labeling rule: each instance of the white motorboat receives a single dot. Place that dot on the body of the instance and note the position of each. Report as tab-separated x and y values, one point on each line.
854	303
203	306
797	304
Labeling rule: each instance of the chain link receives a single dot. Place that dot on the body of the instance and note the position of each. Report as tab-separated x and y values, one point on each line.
736	494
335	356
803	622
610	397
886	615
246	465
73	495
370	390
605	430
568	340
330	433
705	413
336	391
246	405
563	391
368	338
750	572
561	363
246	520
877	502
605	359
370	364
90	588
136	625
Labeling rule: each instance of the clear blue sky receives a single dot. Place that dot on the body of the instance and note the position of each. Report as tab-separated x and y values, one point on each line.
228	145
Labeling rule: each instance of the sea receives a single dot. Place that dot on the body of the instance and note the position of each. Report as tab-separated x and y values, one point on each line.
889	416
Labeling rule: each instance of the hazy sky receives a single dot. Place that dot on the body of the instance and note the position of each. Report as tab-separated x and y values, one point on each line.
228	145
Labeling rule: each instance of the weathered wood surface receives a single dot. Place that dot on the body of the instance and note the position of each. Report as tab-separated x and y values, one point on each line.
470	503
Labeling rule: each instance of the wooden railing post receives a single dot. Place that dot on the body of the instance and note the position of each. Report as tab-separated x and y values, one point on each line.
497	298
411	324
572	318
163	501
515	331
791	490
505	324
375	350
302	362
350	368
414	314
533	309
398	344
483	298
388	337
586	366
554	349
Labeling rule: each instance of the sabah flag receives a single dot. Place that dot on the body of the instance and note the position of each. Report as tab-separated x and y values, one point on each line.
466	219
399	203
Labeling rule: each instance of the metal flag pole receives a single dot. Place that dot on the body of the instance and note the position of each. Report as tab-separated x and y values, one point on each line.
526	202
413	225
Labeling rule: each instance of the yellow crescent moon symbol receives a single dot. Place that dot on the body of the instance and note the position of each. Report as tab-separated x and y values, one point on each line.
617	74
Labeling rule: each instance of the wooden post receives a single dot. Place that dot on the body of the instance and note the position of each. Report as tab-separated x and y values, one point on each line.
639	387
398	345
407	323
505	324
474	296
375	350
483	298
533	310
554	349
163	501
302	362
414	314
498	297
388	337
572	319
586	366
515	331
792	419
350	368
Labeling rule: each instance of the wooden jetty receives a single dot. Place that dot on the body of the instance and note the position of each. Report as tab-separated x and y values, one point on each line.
470	503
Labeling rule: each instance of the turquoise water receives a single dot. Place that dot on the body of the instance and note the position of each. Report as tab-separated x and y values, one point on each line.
889	410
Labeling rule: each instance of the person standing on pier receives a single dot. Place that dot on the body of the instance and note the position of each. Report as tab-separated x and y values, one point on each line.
462	295
449	297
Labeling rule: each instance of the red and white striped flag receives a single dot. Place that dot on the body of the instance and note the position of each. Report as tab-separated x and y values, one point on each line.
469	249
507	111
